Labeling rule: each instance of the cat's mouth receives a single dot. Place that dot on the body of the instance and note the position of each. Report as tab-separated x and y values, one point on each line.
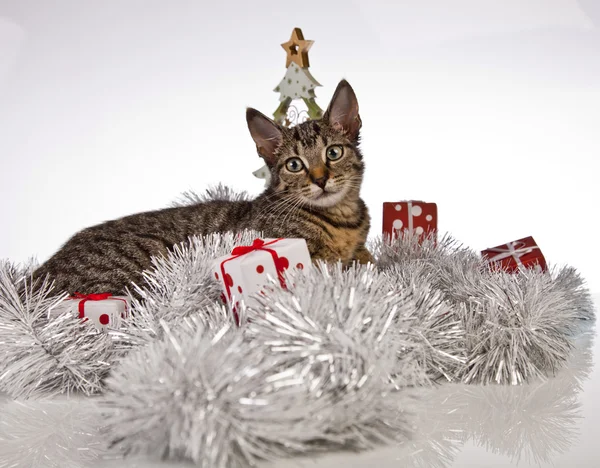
327	198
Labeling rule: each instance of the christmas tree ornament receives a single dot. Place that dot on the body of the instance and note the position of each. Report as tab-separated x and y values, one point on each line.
522	253
296	49
415	217
298	84
263	173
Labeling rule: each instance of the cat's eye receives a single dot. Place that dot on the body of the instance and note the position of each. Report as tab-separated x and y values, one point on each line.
334	152
294	165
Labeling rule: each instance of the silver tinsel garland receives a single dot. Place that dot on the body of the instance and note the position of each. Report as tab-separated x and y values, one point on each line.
414	320
518	326
301	377
42	355
179	285
435	325
220	399
533	422
217	192
331	363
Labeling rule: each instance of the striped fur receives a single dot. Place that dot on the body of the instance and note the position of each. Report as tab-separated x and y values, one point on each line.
319	203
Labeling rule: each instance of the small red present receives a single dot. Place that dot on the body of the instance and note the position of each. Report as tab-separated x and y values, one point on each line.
519	254
413	216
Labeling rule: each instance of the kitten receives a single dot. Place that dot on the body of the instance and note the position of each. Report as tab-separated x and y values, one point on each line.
316	174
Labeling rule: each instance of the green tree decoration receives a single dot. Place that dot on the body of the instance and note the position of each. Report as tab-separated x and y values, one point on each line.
297	84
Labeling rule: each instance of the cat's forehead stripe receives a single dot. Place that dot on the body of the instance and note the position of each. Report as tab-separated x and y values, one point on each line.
307	136
312	137
303	137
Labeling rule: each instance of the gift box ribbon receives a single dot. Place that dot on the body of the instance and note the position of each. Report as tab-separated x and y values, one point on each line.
258	244
83	298
411	222
514	249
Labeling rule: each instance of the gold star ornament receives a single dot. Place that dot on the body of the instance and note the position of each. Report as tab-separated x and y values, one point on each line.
297	49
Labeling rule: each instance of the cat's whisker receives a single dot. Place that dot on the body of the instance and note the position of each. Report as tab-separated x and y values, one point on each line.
279	206
290	200
272	211
285	208
294	208
288	207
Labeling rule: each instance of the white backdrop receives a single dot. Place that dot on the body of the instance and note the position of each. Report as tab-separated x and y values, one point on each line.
491	109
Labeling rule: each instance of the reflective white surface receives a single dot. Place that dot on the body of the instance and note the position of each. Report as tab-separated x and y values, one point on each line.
552	423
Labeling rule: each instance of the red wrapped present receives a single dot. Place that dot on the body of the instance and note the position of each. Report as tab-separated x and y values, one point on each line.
102	310
519	254
247	269
413	216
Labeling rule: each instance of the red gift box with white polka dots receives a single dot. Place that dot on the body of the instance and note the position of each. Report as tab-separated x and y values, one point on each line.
417	217
102	314
246	273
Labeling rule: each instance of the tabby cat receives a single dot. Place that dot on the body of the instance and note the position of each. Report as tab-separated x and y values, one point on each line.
316	174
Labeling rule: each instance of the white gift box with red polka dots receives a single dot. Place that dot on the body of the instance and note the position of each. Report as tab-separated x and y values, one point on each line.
249	268
100	311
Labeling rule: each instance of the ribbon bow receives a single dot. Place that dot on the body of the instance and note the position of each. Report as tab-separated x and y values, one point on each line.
258	244
92	297
514	249
83	298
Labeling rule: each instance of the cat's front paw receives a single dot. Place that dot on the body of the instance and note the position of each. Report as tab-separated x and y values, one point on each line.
325	256
327	260
363	256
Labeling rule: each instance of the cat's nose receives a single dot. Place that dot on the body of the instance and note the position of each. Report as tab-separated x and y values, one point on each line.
320	182
319	176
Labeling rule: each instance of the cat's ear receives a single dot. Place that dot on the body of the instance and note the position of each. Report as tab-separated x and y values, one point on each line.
342	113
266	134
